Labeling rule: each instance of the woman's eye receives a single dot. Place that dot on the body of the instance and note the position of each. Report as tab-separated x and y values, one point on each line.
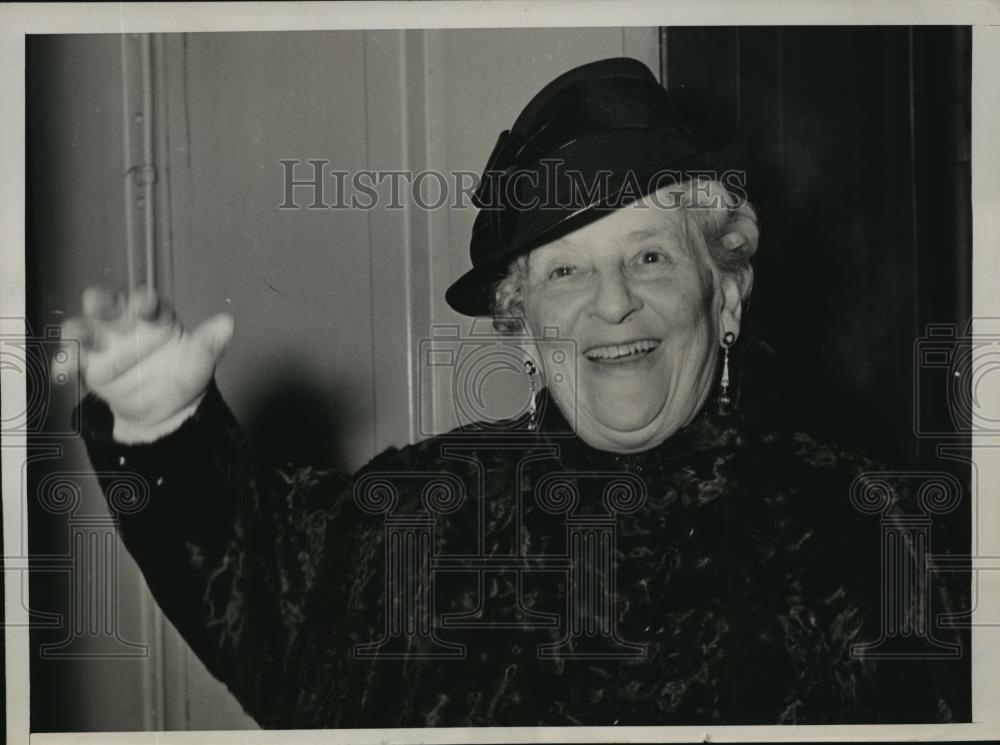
561	271
652	263
652	257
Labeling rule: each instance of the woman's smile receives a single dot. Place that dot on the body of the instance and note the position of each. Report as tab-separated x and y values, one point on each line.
623	353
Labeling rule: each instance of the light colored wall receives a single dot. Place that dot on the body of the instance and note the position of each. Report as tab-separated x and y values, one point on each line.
297	281
332	303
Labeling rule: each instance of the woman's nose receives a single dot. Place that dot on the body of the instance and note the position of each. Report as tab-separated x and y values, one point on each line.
615	301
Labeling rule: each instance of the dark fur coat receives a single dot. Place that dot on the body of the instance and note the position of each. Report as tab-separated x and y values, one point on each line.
501	576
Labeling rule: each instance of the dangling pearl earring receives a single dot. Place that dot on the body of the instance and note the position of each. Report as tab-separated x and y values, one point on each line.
529	367
727	341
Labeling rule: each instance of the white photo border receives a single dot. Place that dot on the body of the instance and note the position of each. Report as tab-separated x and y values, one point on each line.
17	20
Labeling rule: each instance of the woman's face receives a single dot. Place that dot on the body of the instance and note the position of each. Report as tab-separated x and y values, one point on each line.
637	311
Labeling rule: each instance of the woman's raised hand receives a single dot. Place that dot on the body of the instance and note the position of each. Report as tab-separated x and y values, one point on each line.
135	355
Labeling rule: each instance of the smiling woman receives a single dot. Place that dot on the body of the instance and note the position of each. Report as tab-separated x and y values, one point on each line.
634	549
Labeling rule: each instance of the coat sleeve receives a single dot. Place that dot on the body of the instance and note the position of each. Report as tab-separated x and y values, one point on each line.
229	547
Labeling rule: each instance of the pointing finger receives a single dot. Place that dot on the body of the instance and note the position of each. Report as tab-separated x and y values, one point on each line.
77	330
100	304
145	302
145	305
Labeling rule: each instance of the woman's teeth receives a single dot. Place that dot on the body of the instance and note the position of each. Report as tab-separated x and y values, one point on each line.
622	352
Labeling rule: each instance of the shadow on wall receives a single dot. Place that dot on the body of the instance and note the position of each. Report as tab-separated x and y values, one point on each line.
300	420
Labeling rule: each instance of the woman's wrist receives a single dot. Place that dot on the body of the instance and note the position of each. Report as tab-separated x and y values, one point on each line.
131	433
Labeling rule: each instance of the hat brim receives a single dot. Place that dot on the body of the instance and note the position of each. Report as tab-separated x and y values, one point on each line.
472	293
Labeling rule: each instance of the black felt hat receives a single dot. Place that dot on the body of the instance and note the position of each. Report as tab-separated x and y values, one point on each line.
595	139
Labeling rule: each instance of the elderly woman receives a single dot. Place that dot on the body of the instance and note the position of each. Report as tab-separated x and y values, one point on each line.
632	550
